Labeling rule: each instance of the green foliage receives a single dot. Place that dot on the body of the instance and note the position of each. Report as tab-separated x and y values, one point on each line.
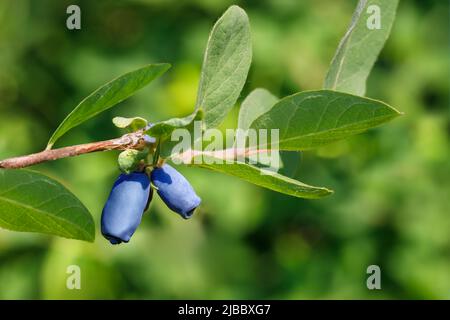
258	102
391	202
312	119
32	202
306	120
163	129
131	124
360	47
225	66
269	180
226	63
107	96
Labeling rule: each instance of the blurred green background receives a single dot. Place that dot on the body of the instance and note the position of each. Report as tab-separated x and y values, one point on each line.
391	206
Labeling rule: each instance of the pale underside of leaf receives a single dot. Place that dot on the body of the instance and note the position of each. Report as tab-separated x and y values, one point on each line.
360	47
258	102
32	202
266	179
225	66
165	128
132	124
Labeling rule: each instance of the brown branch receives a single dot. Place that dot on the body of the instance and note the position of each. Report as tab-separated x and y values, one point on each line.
128	141
225	154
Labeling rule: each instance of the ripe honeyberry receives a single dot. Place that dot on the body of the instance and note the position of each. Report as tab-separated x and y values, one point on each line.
176	192
129	198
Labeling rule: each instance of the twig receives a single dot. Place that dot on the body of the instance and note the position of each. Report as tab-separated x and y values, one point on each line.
133	140
225	154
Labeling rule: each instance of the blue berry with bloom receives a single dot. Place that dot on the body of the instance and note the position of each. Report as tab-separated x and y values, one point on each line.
129	198
176	192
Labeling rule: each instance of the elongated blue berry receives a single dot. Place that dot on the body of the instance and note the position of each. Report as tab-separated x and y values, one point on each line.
176	192
126	203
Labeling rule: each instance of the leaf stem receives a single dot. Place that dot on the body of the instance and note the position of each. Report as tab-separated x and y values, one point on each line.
134	140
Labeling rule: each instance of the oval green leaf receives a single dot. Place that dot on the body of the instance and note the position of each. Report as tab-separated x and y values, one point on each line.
311	119
225	66
33	202
107	96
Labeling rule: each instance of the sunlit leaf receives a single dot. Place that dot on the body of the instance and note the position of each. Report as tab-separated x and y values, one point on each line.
311	119
260	177
132	124
33	202
107	96
258	102
225	66
165	128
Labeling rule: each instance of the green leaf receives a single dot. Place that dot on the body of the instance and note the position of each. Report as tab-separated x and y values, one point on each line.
360	46
165	128
132	124
270	180
311	119
258	102
290	162
107	96
32	202
225	65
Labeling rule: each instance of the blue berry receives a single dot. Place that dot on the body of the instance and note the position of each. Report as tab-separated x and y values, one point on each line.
129	198
176	192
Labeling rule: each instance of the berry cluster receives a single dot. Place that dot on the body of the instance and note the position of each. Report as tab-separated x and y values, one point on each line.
132	193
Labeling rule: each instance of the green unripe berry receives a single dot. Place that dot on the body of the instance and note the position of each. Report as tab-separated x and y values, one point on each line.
130	159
